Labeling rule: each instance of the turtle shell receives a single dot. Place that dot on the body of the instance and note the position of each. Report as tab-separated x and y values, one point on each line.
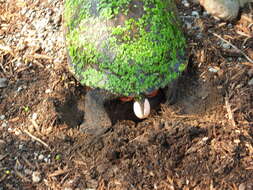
127	47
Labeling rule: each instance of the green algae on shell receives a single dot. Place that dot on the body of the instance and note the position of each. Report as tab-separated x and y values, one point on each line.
127	47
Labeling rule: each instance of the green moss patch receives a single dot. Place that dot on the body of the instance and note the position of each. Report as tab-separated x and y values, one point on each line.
126	47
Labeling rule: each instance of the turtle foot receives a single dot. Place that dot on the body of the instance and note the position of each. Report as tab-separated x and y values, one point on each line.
96	119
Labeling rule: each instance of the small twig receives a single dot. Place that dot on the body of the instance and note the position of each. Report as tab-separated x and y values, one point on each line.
230	113
249	168
3	156
243	34
233	46
140	138
184	116
59	172
41	56
37	139
35	124
247	63
64	178
1	64
79	162
28	163
245	41
82	156
2	178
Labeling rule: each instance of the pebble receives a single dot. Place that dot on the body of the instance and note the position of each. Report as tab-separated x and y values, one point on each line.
48	91
35	156
4	124
195	13
34	116
213	70
19	88
41	157
225	45
47	160
20	146
36	177
3	82
17	132
28	171
2	117
230	25
186	3
250	82
19	63
199	36
205	13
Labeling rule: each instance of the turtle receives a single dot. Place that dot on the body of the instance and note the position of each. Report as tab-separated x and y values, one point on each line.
123	48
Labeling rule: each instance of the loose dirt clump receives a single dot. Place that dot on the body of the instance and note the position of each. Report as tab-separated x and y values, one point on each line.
203	141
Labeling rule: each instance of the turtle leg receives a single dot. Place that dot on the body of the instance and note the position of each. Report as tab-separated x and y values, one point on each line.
171	91
96	119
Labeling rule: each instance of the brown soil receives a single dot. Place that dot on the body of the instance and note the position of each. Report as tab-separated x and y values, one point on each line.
203	141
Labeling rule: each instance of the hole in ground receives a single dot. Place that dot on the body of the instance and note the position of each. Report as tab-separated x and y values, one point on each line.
119	111
70	111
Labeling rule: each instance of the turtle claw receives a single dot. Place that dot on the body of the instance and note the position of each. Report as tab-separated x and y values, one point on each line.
96	119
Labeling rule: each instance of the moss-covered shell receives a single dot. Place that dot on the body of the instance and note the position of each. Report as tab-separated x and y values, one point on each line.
127	47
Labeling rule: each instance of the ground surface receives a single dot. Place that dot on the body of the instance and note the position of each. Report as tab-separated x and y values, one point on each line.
203	141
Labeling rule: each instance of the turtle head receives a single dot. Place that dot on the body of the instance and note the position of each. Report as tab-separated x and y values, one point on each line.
141	107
